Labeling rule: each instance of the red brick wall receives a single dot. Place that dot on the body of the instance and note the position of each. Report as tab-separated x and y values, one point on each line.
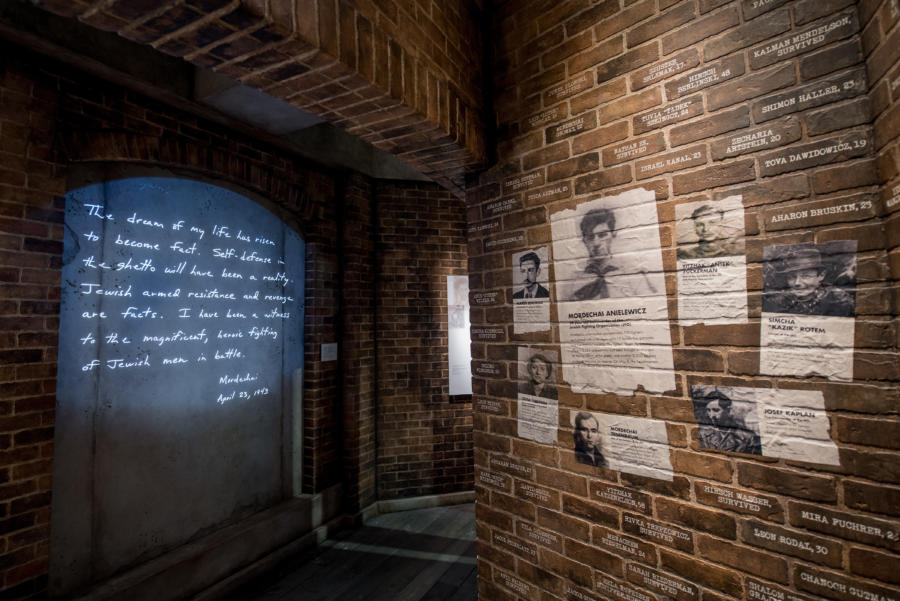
573	80
424	436
359	345
31	241
880	21
50	117
322	454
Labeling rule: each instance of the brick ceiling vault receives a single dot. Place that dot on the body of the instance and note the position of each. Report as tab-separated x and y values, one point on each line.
324	57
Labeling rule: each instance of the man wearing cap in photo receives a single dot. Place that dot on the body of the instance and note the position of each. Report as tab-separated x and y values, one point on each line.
721	429
712	239
805	292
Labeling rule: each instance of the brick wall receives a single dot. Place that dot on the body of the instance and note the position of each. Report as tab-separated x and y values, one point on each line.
322	453
51	117
403	75
358	346
880	22
424	436
597	98
592	99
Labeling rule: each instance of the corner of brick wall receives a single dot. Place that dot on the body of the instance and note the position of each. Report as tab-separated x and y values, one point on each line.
424	435
358	348
880	22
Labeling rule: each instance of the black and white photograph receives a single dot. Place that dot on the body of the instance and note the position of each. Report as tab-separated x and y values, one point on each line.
611	295
529	270
608	260
726	423
810	279
710	229
531	295
782	423
809	302
538	409
539	377
712	266
586	439
634	445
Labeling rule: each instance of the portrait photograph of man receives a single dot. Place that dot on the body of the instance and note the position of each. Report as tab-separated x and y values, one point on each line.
709	230
712	266
724	423
604	276
587	444
530	277
810	279
622	443
531	296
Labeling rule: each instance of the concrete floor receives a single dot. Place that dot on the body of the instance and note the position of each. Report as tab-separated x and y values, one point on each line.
418	555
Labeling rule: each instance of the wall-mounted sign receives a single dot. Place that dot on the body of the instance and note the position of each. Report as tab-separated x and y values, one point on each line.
459	339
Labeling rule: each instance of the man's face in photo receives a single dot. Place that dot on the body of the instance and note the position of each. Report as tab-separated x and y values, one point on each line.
530	271
538	371
708	226
804	282
598	242
587	434
715	412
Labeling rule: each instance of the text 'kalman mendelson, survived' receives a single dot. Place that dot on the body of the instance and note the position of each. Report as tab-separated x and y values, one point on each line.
608	313
801	41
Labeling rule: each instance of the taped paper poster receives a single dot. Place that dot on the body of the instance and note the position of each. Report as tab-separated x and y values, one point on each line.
538	413
809	302
459	341
788	424
634	445
611	295
712	266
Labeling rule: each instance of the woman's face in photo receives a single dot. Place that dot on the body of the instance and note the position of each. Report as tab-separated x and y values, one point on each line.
538	370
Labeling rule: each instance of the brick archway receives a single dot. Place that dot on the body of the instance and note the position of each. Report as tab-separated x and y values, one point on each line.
416	95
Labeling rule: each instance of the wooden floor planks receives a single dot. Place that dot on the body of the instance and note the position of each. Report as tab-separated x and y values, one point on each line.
418	555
